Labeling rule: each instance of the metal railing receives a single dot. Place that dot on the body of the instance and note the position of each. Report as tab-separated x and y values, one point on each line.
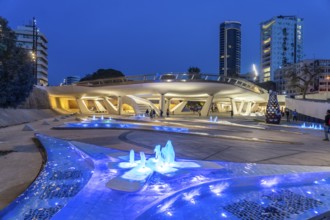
174	77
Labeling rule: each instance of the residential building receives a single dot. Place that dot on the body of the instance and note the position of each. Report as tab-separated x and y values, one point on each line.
29	37
230	48
69	80
321	82
281	44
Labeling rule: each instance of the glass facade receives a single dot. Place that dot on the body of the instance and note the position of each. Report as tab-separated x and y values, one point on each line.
230	48
281	44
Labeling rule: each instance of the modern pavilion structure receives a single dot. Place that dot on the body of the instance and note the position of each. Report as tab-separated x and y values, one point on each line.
180	94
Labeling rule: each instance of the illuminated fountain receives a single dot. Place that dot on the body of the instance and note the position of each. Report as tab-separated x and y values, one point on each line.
215	119
163	162
143	160
140	170
312	126
131	157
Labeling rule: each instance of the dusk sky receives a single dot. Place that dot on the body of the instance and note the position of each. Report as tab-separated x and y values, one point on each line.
154	36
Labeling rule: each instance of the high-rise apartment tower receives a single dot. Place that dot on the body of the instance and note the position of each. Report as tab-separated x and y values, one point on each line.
230	48
35	42
281	44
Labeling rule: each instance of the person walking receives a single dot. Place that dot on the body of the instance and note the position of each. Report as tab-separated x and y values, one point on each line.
168	113
287	113
326	125
294	115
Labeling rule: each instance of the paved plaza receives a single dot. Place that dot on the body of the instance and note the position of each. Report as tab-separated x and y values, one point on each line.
237	139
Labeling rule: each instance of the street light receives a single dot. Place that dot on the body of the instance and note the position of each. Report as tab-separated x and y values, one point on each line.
35	49
327	78
256	74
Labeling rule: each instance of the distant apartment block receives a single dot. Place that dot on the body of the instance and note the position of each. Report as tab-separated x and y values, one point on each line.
31	39
230	48
320	83
69	80
281	44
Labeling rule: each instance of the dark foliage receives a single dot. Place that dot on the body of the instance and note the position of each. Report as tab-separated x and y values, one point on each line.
194	70
304	78
16	70
103	74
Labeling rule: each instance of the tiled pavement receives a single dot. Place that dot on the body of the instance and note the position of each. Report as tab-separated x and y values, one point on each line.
273	145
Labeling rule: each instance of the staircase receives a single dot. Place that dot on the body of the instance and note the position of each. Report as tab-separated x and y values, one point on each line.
141	108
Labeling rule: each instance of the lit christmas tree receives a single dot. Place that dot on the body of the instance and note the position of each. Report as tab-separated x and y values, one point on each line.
273	113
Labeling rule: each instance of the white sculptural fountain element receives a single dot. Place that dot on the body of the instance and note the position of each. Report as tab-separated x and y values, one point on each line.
213	120
94	118
143	159
163	162
139	171
131	157
102	117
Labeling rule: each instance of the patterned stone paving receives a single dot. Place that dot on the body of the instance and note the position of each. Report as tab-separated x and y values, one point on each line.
64	175
42	213
282	204
60	191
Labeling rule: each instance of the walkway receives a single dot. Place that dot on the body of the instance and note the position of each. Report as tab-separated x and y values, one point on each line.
218	141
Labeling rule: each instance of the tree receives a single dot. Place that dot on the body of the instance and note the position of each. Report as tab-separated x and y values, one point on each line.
16	69
303	77
194	72
103	74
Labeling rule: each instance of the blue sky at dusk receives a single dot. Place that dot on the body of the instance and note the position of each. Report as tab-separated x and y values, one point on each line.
154	36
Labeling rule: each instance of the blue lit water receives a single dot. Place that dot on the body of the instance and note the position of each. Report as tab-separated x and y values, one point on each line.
110	124
73	185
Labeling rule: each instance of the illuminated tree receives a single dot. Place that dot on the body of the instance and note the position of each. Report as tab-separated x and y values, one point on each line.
273	113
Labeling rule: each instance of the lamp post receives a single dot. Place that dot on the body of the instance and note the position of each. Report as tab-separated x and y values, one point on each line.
35	50
327	78
256	74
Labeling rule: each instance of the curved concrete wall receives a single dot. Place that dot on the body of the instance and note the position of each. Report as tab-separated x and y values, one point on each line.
310	108
10	117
